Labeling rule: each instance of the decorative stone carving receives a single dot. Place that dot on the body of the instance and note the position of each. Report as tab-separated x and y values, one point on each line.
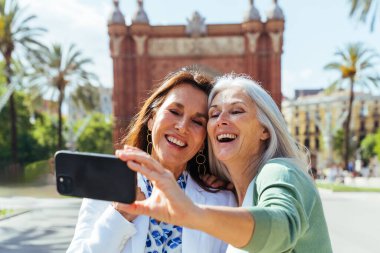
116	45
275	11
252	41
276	42
140	44
196	25
210	46
116	16
140	16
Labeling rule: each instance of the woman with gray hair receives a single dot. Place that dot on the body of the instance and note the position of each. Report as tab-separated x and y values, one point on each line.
279	210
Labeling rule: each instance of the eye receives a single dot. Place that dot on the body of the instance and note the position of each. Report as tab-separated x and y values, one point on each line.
198	122
237	111
173	111
214	114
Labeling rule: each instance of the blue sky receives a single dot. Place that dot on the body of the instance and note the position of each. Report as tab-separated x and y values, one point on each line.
313	30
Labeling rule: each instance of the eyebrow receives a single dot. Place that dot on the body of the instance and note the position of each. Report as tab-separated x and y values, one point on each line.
234	103
198	114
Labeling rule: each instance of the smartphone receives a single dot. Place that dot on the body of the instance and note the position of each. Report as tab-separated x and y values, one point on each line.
95	176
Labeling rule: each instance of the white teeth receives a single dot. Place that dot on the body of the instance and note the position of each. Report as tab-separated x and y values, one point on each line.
229	136
176	141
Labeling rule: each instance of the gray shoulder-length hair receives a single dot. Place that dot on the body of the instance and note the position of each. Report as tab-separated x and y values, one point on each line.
280	144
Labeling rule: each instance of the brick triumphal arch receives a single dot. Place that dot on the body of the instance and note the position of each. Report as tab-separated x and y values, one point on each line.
144	54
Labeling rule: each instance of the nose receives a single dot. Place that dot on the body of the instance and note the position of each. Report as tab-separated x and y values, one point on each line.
182	125
222	119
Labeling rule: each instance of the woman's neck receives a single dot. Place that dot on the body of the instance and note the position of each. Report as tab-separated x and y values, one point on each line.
176	170
241	176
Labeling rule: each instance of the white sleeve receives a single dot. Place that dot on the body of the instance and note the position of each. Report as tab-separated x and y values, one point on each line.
100	228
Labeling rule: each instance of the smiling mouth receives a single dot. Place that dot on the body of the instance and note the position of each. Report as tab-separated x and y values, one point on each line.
226	137
175	141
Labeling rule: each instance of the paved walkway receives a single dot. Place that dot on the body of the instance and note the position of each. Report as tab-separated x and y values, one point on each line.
353	220
48	226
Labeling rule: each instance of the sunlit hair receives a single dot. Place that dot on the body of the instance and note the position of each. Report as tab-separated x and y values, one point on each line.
279	144
138	128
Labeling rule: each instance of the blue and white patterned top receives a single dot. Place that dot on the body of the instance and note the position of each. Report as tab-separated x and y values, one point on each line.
164	237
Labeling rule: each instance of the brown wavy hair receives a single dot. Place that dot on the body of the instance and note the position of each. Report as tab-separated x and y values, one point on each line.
138	129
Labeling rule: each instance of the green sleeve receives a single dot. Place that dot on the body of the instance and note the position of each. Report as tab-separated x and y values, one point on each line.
281	211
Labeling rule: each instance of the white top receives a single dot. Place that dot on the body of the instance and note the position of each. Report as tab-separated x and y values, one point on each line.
100	228
247	202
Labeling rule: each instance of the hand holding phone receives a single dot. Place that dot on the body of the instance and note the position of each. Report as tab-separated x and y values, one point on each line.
93	175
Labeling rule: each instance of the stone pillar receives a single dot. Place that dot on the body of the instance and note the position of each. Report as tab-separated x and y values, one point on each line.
252	31
140	35
275	29
122	96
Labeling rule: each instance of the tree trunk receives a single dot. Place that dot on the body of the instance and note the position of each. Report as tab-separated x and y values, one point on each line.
60	101
12	112
347	135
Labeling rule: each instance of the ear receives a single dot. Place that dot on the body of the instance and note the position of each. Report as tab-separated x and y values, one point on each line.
264	134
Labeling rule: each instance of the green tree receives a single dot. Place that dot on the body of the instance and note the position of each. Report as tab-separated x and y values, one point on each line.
56	69
30	148
339	142
362	9
356	66
43	131
15	31
97	136
377	143
87	97
367	147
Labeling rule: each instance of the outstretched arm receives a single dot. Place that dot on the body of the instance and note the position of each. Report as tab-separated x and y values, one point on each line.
170	204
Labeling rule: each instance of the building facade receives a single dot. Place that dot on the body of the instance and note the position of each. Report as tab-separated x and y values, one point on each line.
315	119
144	54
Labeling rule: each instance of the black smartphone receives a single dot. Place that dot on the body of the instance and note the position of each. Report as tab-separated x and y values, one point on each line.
95	176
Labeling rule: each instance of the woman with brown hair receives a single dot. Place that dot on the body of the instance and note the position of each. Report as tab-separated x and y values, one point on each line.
171	127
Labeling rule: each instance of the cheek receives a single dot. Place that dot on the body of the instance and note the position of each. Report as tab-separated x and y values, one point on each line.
200	136
210	126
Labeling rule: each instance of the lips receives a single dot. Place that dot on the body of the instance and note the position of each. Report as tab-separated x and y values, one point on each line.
175	141
226	137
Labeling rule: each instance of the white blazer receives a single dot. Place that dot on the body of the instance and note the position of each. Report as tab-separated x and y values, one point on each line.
101	228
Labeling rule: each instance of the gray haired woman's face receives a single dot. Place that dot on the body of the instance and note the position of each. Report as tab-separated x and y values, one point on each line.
236	134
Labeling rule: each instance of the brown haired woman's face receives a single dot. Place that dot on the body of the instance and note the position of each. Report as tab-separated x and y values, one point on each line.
179	126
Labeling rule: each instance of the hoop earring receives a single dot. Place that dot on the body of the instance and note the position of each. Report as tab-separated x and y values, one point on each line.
201	161
149	141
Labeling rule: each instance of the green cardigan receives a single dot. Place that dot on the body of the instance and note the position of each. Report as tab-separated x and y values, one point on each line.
288	212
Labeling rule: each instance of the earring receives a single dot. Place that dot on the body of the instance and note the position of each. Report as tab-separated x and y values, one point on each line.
149	141
201	161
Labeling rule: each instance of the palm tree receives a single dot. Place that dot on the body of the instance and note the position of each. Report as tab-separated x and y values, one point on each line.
87	97
356	65
364	8
56	69
14	32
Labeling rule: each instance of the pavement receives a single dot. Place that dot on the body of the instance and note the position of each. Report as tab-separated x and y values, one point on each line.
47	224
353	220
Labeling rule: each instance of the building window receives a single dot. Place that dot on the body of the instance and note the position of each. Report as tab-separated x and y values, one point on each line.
297	130
362	125
317	143
307	143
